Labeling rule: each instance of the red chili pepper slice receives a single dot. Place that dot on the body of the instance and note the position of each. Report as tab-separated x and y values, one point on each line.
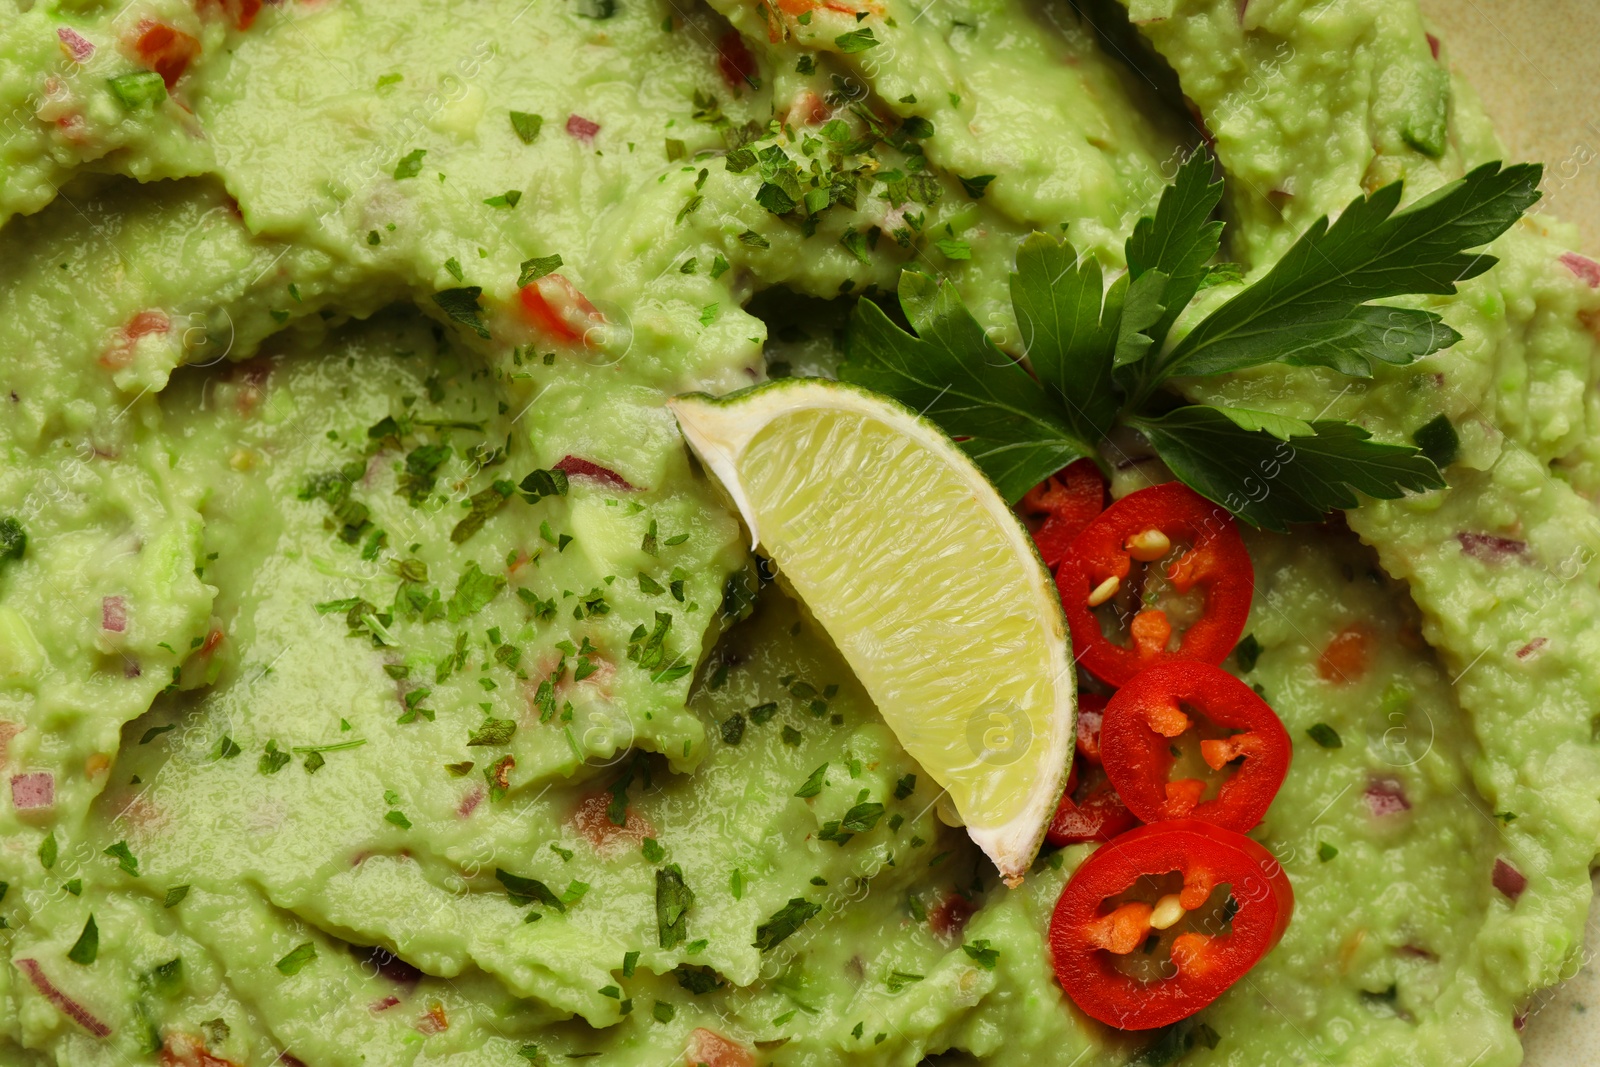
1145	716
1146	526
1094	813
1103	919
1058	509
1090	809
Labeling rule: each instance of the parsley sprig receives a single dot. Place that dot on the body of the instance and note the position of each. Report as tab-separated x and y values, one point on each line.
1103	356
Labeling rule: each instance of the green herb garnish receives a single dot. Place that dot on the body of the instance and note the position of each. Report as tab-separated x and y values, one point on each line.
1103	357
673	900
784	922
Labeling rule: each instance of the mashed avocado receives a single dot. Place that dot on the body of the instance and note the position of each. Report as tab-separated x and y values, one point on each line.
381	684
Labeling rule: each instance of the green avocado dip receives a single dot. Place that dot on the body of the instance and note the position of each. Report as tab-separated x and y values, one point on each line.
382	683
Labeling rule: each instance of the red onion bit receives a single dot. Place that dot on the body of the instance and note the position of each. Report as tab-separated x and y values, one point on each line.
1587	270
384	1005
113	614
1386	796
576	467
582	128
33	792
1488	548
77	47
949	917
67	1006
1509	880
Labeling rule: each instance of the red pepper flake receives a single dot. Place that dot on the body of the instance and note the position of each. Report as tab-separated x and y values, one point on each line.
113	614
31	792
1584	267
734	61
383	1005
500	773
78	48
1509	880
67	1006
1433	45
707	1048
577	467
582	128
1386	796
165	50
213	639
1531	647
470	802
1488	548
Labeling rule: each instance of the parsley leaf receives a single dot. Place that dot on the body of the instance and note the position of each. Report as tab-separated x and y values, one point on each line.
1100	353
1306	469
673	900
526	126
1311	307
1065	334
1179	240
953	373
87	947
124	857
784	922
522	891
856	41
537	267
461	304
474	590
296	958
493	732
410	164
813	784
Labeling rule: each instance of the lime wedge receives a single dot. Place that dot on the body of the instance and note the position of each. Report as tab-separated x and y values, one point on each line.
922	576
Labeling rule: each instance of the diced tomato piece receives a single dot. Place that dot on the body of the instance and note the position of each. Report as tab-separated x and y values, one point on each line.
165	50
1348	655
555	306
707	1048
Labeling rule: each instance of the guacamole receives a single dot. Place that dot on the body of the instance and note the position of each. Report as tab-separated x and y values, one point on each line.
382	683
